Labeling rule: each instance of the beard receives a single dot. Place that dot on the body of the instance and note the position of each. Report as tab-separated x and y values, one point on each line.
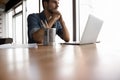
52	10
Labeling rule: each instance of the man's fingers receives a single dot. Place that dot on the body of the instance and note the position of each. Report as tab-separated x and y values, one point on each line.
43	24
46	24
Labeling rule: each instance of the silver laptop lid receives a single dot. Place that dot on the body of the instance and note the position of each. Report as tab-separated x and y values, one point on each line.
91	31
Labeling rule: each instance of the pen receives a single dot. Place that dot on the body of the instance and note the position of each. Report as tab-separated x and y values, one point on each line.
46	24
43	24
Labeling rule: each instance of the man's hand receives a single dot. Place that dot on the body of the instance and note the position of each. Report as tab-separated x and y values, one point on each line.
65	35
45	25
56	15
53	18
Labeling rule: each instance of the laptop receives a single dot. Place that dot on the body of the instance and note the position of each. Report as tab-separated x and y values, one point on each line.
91	31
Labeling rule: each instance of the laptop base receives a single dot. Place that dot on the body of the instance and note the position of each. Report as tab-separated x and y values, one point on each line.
77	43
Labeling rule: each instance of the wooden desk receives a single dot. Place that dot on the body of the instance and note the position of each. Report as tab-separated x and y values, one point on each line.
60	62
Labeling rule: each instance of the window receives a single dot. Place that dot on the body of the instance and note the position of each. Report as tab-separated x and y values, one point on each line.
16	25
9	24
108	11
19	30
32	6
83	9
67	16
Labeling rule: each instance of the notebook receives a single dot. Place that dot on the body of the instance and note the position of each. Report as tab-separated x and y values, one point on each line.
91	31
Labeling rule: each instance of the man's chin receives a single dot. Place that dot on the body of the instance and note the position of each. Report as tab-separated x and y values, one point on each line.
53	11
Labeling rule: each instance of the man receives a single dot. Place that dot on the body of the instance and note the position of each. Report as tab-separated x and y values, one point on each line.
54	19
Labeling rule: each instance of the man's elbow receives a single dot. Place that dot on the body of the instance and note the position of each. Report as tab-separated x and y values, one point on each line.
37	39
67	39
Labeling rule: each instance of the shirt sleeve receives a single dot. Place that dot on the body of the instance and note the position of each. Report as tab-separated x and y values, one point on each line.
33	24
59	30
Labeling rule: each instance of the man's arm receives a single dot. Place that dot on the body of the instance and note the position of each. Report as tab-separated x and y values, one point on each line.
38	36
35	32
65	30
57	16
